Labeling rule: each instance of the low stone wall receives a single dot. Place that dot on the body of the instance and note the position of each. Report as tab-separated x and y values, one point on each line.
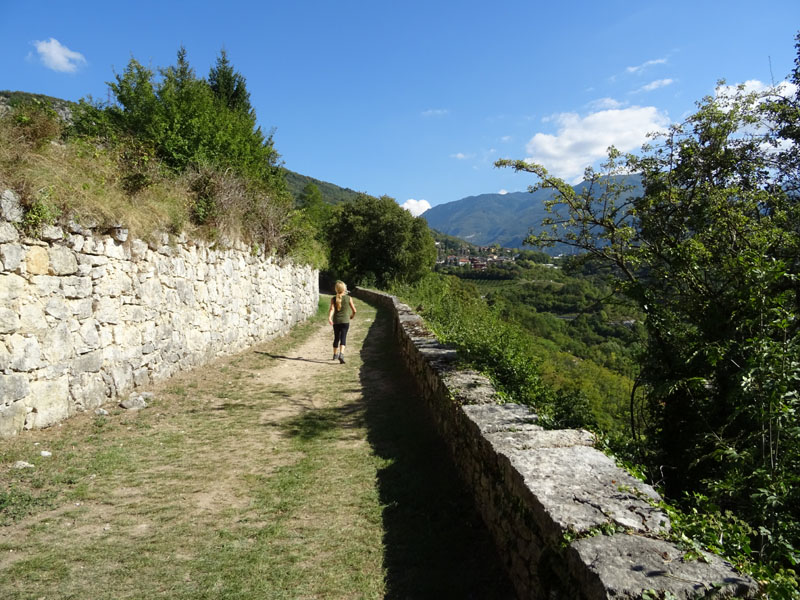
86	316
567	521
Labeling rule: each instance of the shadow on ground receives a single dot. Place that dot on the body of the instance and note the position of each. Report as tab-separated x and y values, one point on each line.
311	360
435	544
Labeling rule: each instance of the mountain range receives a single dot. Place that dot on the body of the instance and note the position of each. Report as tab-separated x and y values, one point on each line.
503	219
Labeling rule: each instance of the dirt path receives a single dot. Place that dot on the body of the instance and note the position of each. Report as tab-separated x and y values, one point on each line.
274	473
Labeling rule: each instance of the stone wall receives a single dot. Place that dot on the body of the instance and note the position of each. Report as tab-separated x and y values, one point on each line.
87	316
567	521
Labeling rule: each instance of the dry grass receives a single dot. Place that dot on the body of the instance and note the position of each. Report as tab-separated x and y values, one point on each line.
85	181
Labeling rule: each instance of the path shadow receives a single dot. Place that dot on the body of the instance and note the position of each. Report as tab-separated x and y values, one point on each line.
311	360
435	544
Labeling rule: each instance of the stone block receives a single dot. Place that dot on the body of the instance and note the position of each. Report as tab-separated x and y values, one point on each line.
37	261
113	249
11	255
62	260
91	362
49	401
114	283
11	287
51	233
58	309
122	378
46	284
88	391
625	566
89	337
9	320
80	308
31	318
106	310
76	287
57	344
8	233
138	250
25	353
12	419
13	387
10	207
5	361
127	336
76	242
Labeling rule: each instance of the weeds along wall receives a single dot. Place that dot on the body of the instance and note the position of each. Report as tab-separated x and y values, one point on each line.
87	316
568	523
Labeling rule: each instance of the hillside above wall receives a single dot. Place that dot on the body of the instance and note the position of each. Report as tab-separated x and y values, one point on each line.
504	219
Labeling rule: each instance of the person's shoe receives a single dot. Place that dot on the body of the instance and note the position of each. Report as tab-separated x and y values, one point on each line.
341	359
335	356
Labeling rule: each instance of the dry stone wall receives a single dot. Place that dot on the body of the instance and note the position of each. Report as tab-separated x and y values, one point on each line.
567	521
87	316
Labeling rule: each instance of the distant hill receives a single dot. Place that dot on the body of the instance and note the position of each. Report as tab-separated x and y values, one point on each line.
504	219
331	193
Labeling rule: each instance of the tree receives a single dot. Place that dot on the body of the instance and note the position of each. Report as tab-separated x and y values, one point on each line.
373	241
187	121
709	252
312	204
229	85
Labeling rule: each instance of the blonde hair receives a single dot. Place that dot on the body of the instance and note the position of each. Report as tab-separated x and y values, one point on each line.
341	290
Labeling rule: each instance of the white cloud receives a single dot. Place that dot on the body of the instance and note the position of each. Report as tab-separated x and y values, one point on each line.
582	141
506	138
58	57
605	104
462	156
435	112
416	207
646	64
502	192
654	85
784	88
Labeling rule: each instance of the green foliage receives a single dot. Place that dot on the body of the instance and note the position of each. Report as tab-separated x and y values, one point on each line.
312	204
187	120
39	213
331	194
374	242
700	524
709	254
204	131
37	121
229	85
484	340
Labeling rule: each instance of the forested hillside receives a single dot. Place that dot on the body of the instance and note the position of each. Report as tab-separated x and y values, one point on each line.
331	193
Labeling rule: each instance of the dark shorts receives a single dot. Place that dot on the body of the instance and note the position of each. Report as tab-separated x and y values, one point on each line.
340	334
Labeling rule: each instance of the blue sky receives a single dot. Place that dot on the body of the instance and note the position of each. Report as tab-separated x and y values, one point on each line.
416	100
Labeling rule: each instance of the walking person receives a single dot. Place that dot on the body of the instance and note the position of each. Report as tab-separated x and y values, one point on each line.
341	311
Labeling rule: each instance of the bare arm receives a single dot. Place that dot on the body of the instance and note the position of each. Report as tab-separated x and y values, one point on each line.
330	312
352	308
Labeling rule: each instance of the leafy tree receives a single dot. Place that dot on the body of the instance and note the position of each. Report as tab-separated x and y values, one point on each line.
373	241
709	252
